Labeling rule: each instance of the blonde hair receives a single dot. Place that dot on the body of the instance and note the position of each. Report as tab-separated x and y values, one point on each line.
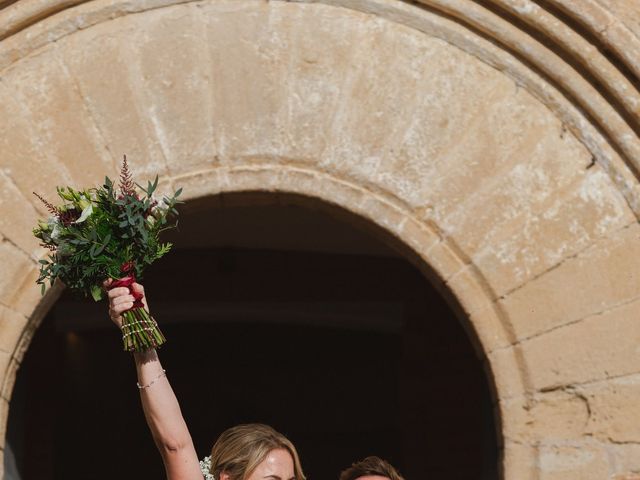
240	449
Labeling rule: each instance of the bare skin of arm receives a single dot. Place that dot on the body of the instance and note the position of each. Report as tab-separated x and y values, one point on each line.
159	403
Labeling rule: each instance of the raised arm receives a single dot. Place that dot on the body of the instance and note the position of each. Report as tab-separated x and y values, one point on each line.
160	405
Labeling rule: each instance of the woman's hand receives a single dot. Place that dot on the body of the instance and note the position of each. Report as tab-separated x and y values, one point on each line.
121	300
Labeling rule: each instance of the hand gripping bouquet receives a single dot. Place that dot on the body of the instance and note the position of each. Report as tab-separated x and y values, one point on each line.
108	232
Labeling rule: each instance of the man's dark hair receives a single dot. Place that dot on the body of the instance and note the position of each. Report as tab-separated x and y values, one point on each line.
370	466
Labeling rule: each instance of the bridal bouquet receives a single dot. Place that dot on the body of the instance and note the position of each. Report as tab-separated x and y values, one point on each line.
108	232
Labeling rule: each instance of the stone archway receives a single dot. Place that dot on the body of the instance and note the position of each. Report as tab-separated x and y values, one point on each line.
273	281
497	144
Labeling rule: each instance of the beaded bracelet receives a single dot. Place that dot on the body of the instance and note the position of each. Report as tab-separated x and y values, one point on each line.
160	375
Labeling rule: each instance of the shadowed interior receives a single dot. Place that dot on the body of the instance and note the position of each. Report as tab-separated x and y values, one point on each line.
339	342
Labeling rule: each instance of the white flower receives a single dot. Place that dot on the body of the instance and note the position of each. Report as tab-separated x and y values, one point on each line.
88	210
54	226
83	202
160	207
205	468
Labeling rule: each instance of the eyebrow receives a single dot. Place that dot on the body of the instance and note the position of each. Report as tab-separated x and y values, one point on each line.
276	477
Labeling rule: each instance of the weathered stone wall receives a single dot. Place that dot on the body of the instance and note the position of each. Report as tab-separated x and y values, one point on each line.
497	143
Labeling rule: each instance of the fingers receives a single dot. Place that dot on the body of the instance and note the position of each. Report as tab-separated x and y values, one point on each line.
124	297
118	292
117	310
121	299
115	292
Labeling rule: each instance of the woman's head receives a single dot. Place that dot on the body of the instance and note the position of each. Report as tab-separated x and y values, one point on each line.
371	468
244	449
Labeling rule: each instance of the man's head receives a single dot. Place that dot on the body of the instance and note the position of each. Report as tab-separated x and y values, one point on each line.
371	468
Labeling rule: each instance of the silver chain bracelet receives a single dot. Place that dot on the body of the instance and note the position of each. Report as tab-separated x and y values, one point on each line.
160	375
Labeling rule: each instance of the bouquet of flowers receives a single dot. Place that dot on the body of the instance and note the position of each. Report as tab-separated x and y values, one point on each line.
108	232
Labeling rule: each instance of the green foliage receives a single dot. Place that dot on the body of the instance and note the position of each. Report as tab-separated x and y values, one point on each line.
95	232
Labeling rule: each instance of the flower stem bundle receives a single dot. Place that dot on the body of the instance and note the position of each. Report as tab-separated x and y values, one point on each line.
140	331
108	232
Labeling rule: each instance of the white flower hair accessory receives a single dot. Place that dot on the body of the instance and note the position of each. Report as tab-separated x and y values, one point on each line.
205	468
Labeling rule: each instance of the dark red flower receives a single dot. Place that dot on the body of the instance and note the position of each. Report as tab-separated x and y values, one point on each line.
69	216
127	268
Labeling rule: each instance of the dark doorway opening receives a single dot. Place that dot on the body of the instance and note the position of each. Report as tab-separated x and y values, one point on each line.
275	313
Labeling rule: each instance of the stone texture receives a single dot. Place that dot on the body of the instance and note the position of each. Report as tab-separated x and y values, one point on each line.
322	64
626	476
573	462
383	213
59	117
382	106
200	184
469	290
626	464
627	11
603	276
326	187
597	348
170	57
25	162
18	217
4	412
520	461
572	221
15	267
443	170
281	82
445	260
5	360
28	299
509	375
503	172
109	87
551	417
418	236
492	328
248	66
614	409
12	324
